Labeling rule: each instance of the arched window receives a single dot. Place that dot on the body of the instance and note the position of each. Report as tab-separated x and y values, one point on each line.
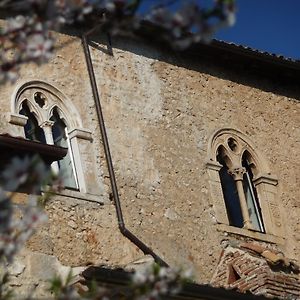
239	192
48	116
242	188
59	138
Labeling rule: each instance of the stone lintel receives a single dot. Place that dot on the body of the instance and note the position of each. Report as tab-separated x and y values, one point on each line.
213	165
81	133
265	178
17	119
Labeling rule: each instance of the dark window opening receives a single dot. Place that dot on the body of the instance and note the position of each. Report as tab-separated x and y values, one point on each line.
230	195
233	275
32	130
232	144
39	98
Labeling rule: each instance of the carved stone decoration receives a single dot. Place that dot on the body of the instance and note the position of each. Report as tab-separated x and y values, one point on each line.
234	145
237	172
42	99
275	213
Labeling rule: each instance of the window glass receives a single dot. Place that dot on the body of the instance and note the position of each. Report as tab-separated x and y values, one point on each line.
251	197
60	138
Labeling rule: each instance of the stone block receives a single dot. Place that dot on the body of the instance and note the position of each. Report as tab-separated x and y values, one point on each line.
42	266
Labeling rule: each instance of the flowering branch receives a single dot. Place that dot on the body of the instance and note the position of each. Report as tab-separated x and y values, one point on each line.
155	282
26	36
31	173
150	283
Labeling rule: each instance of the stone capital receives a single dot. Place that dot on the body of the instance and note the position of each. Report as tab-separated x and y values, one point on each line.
47	123
237	172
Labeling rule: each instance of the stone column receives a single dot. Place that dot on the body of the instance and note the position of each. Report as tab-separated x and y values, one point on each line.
237	173
47	128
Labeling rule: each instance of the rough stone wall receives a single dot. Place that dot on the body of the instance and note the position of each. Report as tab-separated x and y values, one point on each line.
160	150
160	110
82	228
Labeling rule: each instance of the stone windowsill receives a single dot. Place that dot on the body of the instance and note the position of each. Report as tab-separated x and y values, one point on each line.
22	198
83	196
252	234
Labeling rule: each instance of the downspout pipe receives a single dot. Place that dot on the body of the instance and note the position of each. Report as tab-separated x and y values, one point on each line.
128	234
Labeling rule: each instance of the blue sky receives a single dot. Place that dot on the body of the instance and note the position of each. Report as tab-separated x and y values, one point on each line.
266	25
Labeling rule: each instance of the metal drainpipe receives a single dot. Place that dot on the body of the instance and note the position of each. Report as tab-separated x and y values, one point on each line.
112	177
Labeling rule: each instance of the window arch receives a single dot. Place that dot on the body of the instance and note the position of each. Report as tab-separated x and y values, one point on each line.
239	192
48	116
242	188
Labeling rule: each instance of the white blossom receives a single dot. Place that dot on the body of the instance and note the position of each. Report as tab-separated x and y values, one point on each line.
15	23
14	232
139	278
39	47
28	35
153	282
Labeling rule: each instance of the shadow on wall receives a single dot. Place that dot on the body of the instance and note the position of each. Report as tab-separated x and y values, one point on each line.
266	72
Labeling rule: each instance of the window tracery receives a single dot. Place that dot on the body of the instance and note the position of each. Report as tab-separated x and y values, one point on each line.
242	188
49	117
32	130
239	192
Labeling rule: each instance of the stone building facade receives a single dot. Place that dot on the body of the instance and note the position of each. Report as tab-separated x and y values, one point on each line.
173	121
